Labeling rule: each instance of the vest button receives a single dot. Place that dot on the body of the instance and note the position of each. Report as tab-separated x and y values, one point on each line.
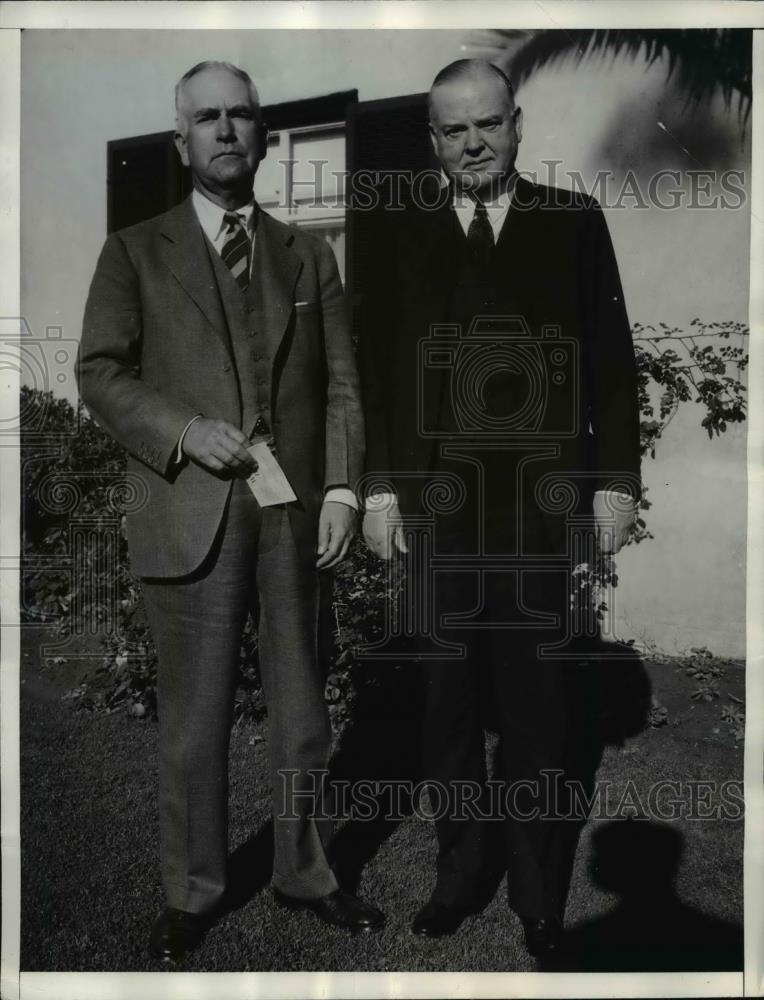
261	427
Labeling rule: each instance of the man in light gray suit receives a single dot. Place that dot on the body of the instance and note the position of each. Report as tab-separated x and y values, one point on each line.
208	329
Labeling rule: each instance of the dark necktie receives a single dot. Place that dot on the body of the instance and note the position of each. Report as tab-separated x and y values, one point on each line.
480	233
236	249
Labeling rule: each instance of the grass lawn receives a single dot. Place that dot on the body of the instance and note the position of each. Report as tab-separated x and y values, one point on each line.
90	878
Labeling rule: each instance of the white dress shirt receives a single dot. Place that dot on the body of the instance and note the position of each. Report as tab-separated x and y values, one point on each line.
212	220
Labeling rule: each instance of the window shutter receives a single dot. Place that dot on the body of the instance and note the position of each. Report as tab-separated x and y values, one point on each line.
144	175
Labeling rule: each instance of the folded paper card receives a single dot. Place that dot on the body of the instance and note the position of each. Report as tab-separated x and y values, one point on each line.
268	484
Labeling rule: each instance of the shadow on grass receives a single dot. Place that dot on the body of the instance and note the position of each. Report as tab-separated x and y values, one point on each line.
380	745
608	700
650	929
250	868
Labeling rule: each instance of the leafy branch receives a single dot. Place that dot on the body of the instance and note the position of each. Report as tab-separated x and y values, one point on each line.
680	364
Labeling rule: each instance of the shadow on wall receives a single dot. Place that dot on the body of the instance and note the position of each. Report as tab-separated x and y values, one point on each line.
674	136
650	929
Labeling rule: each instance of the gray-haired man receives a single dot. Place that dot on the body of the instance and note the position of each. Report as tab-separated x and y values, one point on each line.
208	330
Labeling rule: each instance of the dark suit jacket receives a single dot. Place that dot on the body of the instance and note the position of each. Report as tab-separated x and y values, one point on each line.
155	351
558	270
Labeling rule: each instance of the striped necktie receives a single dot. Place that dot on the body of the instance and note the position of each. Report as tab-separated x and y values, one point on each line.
236	249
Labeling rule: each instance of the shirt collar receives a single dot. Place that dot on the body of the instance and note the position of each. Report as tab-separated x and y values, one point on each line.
211	215
464	204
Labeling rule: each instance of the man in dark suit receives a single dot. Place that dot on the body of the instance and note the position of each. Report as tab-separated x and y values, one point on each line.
497	361
208	330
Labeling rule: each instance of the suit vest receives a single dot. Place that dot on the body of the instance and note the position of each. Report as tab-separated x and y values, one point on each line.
248	343
482	288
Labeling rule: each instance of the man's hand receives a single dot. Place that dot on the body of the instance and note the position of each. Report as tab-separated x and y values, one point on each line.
336	528
383	528
614	515
218	446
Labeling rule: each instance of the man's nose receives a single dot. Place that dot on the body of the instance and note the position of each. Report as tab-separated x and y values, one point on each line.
473	140
225	131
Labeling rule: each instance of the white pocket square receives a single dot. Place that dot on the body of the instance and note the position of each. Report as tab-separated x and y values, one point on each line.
298	304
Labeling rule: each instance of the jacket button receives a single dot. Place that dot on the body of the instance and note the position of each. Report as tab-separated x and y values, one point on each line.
226	368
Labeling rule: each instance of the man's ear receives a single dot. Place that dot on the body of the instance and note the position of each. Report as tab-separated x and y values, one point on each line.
262	139
433	138
182	148
518	116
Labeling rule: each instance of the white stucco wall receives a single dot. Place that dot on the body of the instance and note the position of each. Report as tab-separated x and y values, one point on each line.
80	89
687	586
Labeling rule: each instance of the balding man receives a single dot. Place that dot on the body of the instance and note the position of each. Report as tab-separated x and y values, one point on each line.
215	346
498	361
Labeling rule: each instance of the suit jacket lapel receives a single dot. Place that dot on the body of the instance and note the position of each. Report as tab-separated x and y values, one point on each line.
433	241
186	255
521	218
434	258
275	270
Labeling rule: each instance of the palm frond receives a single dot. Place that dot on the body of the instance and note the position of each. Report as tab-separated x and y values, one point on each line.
702	61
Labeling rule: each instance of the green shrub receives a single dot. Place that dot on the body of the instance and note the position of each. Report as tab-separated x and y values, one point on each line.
73	472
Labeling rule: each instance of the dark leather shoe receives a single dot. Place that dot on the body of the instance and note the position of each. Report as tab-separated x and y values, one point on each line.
339	909
436	920
543	937
176	934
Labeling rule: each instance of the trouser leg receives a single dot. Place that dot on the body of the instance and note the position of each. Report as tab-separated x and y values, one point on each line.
299	727
532	716
453	755
197	624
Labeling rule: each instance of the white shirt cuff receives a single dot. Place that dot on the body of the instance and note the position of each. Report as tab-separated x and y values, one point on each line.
339	494
616	493
380	503
179	452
